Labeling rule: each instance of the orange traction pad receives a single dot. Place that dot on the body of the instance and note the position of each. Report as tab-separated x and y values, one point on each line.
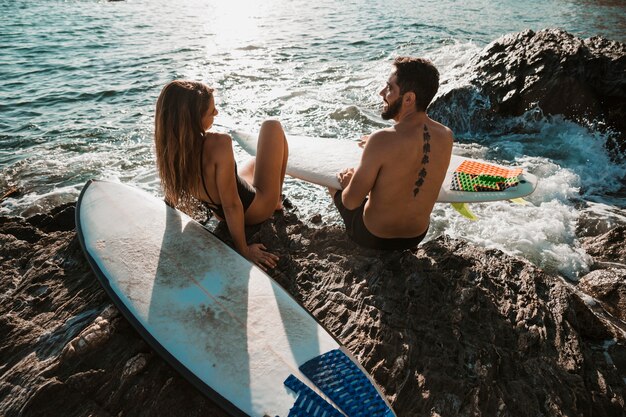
479	176
480	168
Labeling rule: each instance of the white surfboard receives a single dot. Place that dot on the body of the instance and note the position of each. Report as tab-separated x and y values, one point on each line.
222	322
318	160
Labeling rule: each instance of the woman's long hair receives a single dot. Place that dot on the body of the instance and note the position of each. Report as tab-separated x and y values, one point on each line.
178	138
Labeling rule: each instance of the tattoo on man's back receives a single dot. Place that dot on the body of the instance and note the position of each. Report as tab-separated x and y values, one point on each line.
422	174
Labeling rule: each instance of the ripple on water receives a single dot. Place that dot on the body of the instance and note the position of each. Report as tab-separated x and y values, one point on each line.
80	82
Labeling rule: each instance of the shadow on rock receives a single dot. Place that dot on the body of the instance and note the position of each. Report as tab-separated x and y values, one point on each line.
449	330
452	329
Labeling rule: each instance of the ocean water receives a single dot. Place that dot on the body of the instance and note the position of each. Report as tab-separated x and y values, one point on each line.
79	82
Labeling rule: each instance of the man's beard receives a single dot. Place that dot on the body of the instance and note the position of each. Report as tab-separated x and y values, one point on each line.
392	110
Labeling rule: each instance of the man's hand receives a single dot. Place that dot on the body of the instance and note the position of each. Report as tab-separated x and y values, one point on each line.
345	177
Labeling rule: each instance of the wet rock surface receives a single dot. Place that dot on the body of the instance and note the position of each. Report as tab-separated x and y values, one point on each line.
609	246
582	79
606	283
451	330
608	286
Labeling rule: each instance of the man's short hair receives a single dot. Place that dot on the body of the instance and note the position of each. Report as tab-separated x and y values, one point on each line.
419	76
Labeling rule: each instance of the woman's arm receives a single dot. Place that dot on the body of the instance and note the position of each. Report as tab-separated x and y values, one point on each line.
227	189
233	208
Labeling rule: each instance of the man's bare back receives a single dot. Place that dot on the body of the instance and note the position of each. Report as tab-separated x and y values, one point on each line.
394	208
401	171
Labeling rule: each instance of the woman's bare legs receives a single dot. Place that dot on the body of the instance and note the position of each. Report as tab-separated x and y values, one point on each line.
267	171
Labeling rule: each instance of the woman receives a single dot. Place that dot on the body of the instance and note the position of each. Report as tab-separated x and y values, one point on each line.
195	164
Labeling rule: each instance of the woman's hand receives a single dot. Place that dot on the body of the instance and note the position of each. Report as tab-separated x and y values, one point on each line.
258	254
363	140
345	177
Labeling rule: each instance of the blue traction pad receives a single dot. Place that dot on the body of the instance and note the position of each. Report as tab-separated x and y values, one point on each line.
308	403
346	385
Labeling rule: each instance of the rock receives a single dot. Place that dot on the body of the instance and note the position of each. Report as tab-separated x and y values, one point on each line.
135	365
609	287
609	246
316	218
581	79
617	353
590	224
451	329
10	192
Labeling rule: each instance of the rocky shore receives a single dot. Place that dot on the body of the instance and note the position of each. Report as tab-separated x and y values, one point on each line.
551	71
450	330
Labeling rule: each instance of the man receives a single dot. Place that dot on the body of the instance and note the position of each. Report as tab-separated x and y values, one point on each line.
387	200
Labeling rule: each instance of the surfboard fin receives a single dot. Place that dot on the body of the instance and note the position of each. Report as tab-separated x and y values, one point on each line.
519	200
464	210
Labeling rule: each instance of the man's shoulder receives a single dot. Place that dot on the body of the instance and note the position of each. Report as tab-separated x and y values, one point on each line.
381	136
442	131
379	145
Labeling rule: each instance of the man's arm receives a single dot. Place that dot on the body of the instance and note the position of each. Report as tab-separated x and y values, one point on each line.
361	182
